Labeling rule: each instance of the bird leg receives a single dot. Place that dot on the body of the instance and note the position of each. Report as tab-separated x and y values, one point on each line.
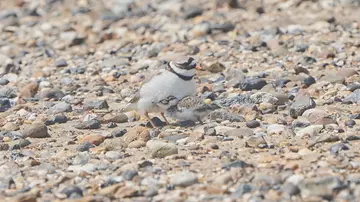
148	117
166	121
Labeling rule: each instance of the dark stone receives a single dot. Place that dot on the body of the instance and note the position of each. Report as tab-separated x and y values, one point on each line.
60	108
73	192
3	81
301	48
84	147
301	104
252	84
145	164
4	104
56	94
129	174
92	124
95	104
350	123
236	164
336	148
308	81
187	123
224	27
118	133
252	124
192	12
61	63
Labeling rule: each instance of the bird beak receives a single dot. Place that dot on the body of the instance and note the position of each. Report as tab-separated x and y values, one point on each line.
198	67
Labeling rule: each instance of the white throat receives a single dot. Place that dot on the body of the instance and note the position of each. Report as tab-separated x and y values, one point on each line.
183	72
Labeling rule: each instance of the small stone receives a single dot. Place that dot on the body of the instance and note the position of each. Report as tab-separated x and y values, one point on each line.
118	118
236	164
4	104
36	130
192	12
72	192
310	131
9	126
255	141
252	84
300	105
129	174
214	146
59	118
93	139
253	124
3	81
240	132
92	124
275	129
224	27
114	155
212	66
118	132
322	187
308	81
184	179
223	179
159	149
85	146
56	94
333	78
137	144
95	104
354	97
209	131
263	97
350	123
60	108
60	63
336	148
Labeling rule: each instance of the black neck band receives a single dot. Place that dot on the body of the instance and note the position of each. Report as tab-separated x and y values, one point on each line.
185	78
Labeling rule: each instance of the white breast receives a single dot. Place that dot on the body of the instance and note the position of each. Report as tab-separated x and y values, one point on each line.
162	86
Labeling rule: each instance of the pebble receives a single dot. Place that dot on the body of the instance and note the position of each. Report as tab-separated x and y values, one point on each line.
93	139
36	130
85	146
183	179
95	104
252	84
255	141
92	124
159	149
300	105
60	63
253	124
60	108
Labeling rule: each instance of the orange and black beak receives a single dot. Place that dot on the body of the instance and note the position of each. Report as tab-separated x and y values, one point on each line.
198	68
